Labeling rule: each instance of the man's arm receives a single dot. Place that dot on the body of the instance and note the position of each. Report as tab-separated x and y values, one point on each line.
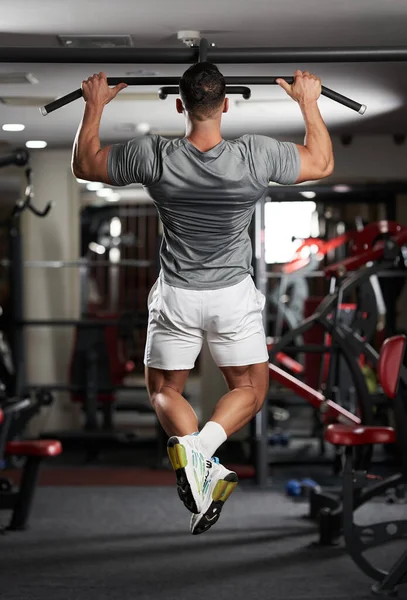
317	159
316	155
89	160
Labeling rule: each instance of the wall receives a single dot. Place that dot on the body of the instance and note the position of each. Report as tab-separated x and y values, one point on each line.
52	293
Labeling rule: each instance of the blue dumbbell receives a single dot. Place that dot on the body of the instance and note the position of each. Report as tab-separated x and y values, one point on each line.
303	488
293	488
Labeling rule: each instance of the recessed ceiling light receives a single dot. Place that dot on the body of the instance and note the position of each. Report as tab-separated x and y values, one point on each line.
309	195
13	127
115	197
142	73
143	128
94	186
98	248
115	227
126	127
341	189
114	255
36	144
104	192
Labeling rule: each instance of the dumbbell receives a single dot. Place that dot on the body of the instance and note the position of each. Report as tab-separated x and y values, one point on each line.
297	489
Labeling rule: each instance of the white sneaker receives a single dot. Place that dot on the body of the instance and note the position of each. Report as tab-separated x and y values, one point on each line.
219	484
189	464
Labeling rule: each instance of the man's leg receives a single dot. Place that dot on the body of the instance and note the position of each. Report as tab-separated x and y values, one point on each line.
248	387
179	420
165	388
174	341
235	336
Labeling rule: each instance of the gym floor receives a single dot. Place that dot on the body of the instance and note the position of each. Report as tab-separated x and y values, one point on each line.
125	542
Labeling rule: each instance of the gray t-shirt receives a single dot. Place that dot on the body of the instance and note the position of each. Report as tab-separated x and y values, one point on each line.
205	200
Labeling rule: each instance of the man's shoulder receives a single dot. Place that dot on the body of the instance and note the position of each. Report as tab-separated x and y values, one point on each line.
153	143
253	141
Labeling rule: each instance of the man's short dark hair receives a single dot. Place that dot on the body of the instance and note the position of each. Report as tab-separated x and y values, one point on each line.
202	89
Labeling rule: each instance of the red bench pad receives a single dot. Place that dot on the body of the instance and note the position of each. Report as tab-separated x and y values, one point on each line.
34	448
390	361
341	435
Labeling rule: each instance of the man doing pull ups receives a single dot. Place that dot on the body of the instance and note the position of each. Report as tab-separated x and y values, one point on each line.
205	189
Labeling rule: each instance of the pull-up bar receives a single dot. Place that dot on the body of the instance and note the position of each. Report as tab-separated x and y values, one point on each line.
174	56
174	81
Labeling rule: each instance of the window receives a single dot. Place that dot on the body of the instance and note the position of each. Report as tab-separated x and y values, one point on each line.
286	225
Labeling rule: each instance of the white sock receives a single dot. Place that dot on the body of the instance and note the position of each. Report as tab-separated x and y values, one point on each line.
211	437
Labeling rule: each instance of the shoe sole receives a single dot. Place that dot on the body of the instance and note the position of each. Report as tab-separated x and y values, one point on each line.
222	491
178	459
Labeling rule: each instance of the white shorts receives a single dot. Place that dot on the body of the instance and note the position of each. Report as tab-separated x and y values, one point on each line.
230	317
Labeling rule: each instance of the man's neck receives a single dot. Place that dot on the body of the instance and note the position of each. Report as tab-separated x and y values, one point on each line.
202	136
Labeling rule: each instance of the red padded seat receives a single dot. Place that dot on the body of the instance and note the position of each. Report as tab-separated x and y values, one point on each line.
341	435
390	361
1	416
34	448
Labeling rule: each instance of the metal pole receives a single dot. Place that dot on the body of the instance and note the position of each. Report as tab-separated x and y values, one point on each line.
307	55
84	288
261	419
27	54
59	264
17	295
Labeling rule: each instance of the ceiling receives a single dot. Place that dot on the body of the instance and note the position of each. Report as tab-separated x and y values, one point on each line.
228	23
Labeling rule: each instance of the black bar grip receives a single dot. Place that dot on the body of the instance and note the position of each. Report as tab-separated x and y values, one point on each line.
242	90
64	100
328	93
174	81
165	91
60	102
332	95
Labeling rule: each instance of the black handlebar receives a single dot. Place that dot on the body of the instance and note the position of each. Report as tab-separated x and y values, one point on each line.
242	90
26	202
20	158
174	81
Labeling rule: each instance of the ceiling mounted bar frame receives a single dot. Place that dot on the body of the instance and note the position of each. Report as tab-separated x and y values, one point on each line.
203	50
28	54
174	81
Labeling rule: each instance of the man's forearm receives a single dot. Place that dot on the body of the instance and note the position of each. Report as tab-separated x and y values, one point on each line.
87	142
317	139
